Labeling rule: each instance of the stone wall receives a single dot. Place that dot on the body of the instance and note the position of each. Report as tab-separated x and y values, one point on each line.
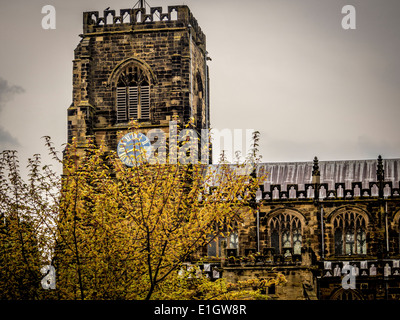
310	267
293	289
171	51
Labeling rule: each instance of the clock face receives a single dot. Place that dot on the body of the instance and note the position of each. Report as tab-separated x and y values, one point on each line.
132	147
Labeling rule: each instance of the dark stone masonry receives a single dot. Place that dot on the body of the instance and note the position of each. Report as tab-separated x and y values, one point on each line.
158	59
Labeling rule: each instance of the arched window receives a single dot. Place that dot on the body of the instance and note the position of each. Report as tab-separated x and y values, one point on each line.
349	294
133	94
285	232
350	233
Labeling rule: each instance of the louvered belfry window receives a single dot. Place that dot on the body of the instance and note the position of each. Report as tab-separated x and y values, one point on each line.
133	95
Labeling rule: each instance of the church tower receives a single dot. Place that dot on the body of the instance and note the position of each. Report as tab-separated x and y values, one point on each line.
150	66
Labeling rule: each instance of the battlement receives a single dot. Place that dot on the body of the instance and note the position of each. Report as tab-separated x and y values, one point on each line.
339	180
138	19
358	190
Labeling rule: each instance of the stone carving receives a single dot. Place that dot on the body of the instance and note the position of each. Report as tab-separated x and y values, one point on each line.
275	193
387	270
310	192
387	191
374	191
357	191
337	271
322	192
340	191
372	270
292	193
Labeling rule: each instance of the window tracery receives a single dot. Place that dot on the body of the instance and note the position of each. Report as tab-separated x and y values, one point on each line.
286	232
350	233
133	94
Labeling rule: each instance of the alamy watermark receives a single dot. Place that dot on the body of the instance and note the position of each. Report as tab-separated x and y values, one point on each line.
186	146
349	20
349	280
49	20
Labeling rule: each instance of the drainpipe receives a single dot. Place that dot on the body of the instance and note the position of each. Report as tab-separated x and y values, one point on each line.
322	233
206	102
191	72
258	230
386	228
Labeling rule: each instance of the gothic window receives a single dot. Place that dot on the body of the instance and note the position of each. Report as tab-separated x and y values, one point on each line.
343	294
350	233
285	232
233	241
215	247
133	95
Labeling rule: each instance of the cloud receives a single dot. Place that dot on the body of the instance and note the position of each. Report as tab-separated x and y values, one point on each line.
7	141
7	93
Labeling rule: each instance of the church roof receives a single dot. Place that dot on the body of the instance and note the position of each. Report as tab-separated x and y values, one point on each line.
342	171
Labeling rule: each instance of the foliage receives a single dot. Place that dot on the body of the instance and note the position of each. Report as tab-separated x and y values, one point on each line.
193	284
27	211
114	232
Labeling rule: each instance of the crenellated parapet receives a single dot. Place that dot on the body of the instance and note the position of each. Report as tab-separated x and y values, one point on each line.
140	19
330	180
309	191
144	63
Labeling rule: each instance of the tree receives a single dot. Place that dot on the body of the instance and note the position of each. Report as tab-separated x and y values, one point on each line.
117	232
124	231
27	210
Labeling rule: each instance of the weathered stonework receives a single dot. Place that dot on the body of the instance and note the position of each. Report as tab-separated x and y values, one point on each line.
311	218
171	52
315	270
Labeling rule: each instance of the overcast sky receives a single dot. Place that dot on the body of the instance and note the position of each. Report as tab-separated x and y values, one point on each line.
284	67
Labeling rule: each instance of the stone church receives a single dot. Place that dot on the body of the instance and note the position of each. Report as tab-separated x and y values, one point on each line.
316	222
149	66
